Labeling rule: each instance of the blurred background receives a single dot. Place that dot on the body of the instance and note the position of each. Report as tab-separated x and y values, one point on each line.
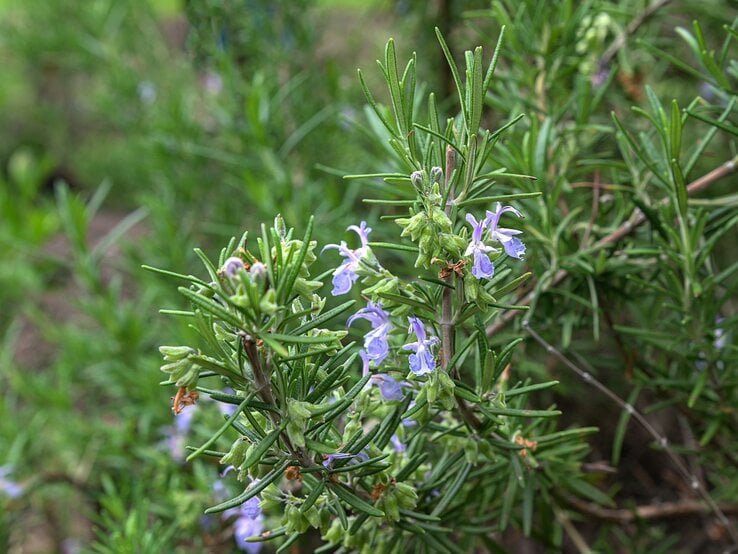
132	131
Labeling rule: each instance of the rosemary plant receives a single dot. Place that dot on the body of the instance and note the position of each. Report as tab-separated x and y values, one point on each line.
413	433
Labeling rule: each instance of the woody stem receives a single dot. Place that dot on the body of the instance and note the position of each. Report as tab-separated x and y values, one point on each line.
264	391
448	329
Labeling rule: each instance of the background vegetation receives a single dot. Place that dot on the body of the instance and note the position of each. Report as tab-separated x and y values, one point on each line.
133	131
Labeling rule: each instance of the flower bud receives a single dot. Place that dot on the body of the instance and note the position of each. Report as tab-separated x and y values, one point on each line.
435	197
406	496
313	516
232	266
436	174
271	498
471	289
297	409
183	372
237	454
453	244
175	353
295	431
439	217
471	451
258	272
241	300
305	288
268	303
335	533
296	521
391	506
413	226
317	303
416	177
280	226
351	428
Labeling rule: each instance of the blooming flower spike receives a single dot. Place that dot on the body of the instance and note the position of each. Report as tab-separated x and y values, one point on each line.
422	361
345	274
389	387
249	523
375	341
482	268
514	247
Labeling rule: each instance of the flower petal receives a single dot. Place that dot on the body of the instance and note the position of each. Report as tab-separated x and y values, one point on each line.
515	248
483	268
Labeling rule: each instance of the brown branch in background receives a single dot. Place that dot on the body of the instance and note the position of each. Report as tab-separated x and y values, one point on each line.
693	483
622	38
636	220
663	510
595	208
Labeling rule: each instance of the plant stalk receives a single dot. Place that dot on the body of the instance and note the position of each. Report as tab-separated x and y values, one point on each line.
636	220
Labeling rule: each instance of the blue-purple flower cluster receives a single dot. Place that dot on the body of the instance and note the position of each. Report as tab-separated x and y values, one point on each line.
422	361
376	349
482	267
249	520
249	523
376	346
345	274
9	487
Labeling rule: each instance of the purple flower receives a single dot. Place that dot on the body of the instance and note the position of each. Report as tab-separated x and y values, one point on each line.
345	274
375	341
249	522
244	528
330	458
389	387
513	246
220	491
176	435
422	362
407	422
183	421
7	486
483	267
232	266
397	444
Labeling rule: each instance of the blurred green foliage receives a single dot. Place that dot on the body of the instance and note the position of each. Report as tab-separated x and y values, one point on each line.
181	124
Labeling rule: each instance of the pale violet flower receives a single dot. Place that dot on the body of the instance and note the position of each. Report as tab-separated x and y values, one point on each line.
71	545
397	444
407	422
8	487
330	458
249	523
345	274
213	83
375	341
389	387
422	361
147	92
514	247
183	421
176	435
483	268
232	266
